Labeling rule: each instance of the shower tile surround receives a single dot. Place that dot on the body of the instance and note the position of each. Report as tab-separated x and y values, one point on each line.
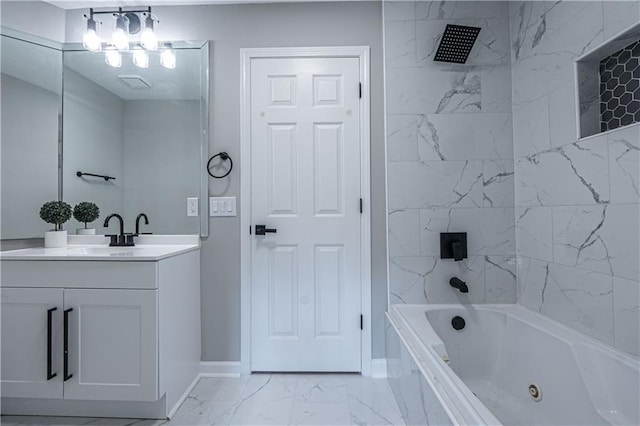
450	154
490	148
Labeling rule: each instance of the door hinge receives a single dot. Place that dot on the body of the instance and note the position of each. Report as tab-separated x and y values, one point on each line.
361	322
360	90
249	229
360	205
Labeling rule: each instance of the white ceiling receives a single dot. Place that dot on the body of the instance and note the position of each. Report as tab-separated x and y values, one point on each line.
181	83
76	4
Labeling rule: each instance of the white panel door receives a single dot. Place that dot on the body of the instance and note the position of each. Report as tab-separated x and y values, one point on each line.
305	165
31	358
113	341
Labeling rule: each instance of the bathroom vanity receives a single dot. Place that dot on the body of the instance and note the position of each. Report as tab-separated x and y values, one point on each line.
93	330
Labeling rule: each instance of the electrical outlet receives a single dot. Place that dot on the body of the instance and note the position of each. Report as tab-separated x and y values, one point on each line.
192	207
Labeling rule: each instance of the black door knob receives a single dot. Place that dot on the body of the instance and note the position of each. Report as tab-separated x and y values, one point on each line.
262	229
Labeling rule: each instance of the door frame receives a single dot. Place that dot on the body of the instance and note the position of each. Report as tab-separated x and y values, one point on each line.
246	55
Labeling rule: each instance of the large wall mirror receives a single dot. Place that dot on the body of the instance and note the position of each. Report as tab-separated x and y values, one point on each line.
31	106
146	127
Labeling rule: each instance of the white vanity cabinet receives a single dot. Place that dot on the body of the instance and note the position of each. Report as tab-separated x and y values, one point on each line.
85	337
111	340
27	314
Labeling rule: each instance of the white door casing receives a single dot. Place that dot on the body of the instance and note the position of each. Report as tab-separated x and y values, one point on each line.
305	131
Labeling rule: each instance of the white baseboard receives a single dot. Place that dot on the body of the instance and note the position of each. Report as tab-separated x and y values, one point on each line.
220	369
233	368
379	368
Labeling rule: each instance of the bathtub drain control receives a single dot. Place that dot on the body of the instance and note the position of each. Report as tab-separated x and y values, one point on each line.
535	392
458	322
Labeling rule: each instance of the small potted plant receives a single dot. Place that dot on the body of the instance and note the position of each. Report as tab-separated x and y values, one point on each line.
86	212
57	213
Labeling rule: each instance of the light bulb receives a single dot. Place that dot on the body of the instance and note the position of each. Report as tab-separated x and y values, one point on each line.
148	38
140	58
90	39
168	59
113	58
120	36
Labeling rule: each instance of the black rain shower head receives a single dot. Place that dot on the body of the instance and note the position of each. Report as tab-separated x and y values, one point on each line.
456	43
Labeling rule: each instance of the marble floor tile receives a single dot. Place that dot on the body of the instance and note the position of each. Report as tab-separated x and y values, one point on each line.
265	399
320	413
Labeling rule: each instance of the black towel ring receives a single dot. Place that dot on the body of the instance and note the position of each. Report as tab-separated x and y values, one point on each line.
224	157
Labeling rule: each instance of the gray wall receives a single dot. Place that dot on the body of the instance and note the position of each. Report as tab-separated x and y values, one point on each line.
93	123
450	157
577	201
29	153
231	27
34	17
161	164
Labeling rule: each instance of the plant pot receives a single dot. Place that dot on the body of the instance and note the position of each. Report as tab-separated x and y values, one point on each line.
55	239
86	231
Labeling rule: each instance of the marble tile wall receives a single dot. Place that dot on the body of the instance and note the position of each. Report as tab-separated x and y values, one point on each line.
577	201
450	153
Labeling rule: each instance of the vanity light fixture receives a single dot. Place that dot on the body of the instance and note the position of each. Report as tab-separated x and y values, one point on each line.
127	23
140	58
148	38
168	57
113	58
90	39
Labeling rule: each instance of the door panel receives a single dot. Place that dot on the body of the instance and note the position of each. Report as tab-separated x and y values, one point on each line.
113	344
24	342
305	147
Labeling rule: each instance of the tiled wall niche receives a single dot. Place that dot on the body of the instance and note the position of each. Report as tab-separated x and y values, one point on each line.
620	88
606	101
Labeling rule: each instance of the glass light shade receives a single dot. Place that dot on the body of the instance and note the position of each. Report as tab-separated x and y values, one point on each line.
168	59
120	37
113	58
140	58
148	38
91	41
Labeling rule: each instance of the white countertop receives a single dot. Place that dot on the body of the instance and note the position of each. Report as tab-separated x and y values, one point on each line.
96	247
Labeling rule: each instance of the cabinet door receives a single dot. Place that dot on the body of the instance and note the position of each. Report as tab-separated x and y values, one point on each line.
30	354
113	345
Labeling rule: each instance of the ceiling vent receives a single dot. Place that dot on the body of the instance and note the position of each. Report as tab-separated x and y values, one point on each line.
134	82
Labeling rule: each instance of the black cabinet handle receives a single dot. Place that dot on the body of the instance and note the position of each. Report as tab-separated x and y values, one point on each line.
262	229
66	345
50	375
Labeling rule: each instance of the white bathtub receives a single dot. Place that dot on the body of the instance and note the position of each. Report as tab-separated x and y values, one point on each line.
501	351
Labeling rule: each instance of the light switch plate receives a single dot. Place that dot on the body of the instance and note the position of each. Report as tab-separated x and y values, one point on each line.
192	206
222	206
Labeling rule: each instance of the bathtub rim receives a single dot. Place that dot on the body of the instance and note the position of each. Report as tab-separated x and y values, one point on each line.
455	390
534	319
457	400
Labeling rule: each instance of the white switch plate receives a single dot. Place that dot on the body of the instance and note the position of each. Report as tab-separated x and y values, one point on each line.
192	207
222	206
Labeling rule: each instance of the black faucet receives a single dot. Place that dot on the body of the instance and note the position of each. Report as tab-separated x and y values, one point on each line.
459	284
121	239
146	222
